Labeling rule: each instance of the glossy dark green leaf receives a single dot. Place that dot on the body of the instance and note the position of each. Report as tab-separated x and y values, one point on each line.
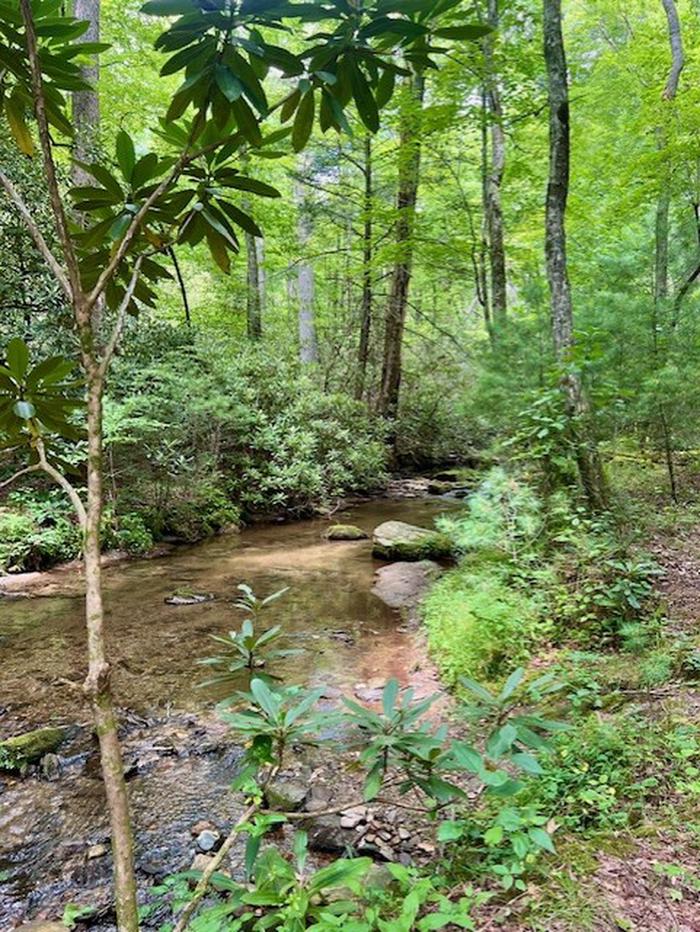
126	154
304	121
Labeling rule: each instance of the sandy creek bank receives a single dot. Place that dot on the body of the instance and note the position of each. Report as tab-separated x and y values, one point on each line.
179	758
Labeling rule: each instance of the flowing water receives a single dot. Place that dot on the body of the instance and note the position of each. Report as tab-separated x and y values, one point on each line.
179	759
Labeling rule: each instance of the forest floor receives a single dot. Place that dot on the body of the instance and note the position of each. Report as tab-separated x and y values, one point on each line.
645	877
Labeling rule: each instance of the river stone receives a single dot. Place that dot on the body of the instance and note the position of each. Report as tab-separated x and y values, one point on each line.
18	752
346	532
286	795
402	585
396	540
326	834
208	840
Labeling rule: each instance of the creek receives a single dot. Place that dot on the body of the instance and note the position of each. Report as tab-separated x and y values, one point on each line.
179	759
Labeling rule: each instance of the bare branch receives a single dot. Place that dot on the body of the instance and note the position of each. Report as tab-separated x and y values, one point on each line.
121	319
35	233
61	480
22	472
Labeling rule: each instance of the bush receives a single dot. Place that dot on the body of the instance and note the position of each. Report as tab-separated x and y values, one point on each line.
479	625
248	424
37	530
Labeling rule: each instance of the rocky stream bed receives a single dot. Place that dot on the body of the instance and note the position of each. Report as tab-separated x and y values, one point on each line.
352	617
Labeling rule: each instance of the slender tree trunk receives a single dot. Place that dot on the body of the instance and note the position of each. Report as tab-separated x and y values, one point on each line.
98	683
661	232
482	268
588	461
253	291
367	272
494	179
182	286
86	104
409	177
308	344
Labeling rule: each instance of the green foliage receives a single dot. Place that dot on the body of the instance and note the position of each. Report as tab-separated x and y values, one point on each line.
479	624
36	531
244	650
36	399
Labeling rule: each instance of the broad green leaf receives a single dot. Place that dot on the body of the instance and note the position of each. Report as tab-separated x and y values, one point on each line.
126	155
17	358
304	121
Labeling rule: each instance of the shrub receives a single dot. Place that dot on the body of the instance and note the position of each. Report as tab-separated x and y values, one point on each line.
479	625
37	530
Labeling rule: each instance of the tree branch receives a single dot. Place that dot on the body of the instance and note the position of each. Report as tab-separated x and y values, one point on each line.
22	472
61	480
36	234
121	320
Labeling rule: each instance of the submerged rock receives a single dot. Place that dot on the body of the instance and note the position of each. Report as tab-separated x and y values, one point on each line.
346	532
402	585
396	540
18	752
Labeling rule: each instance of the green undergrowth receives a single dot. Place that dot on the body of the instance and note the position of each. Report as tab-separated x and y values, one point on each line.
541	583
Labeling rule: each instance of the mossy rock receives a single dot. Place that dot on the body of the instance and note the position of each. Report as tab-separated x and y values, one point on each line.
19	752
395	540
346	532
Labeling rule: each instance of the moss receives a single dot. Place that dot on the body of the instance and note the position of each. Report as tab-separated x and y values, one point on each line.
434	546
346	532
18	752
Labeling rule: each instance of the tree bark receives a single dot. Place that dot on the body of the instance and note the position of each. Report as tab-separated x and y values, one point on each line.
253	291
86	104
409	177
367	272
98	682
588	461
308	343
494	179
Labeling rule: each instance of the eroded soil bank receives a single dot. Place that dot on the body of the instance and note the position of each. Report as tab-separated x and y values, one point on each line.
180	759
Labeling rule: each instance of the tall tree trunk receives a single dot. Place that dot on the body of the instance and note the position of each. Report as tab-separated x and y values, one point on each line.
483	282
86	104
661	232
409	177
588	461
494	180
253	291
367	272
308	344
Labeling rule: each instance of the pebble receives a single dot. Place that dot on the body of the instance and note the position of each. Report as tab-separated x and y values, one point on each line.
97	851
208	840
201	862
202	826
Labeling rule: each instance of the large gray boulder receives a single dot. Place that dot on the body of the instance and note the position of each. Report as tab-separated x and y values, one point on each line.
396	540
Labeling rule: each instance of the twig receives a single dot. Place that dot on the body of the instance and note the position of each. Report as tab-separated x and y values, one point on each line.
215	863
22	472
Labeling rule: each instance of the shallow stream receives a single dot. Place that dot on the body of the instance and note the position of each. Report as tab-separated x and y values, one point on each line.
179	758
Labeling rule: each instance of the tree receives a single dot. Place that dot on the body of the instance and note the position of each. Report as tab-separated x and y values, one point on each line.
588	461
139	208
86	102
308	342
494	168
409	155
367	307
